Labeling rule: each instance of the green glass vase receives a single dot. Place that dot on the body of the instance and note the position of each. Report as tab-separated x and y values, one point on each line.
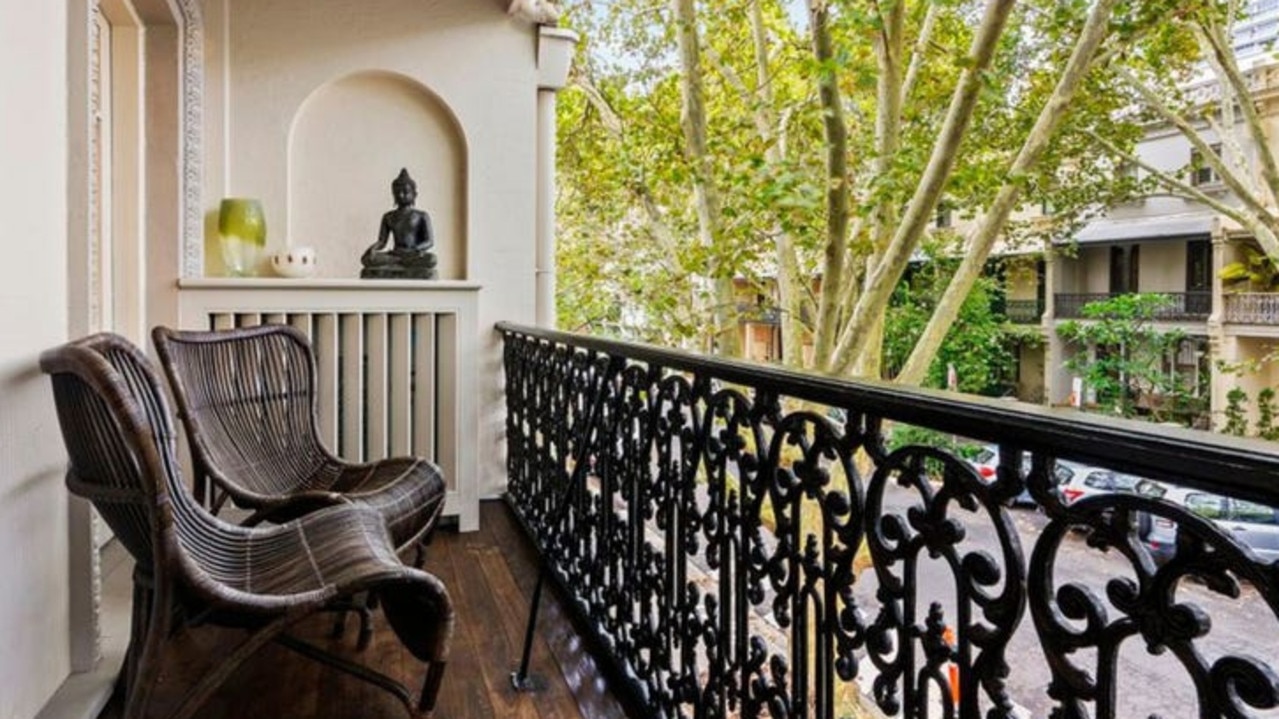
242	234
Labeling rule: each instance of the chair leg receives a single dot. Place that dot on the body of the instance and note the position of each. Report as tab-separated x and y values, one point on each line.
363	606
430	688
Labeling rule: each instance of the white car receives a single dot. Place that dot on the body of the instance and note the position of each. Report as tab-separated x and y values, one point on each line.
986	462
1077	481
1253	525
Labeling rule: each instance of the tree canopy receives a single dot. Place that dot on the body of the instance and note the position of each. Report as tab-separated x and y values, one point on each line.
807	150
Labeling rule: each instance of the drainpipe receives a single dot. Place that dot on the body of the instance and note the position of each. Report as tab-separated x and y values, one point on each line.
554	54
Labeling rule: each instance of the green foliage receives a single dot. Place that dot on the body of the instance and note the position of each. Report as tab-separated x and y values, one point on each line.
979	344
1236	421
1257	273
629	261
1266	428
1128	368
905	435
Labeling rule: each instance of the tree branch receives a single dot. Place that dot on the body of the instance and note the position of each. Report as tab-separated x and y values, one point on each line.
1179	121
920	209
992	224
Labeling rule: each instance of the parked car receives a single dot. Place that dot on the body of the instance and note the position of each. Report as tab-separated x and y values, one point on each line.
1254	525
986	461
1078	481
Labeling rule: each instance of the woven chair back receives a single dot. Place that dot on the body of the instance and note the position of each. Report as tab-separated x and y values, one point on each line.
122	444
250	399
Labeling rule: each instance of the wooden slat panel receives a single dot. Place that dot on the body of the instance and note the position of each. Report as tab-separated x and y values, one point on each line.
446	397
222	321
351	387
302	321
274	318
424	386
375	391
325	343
400	395
248	319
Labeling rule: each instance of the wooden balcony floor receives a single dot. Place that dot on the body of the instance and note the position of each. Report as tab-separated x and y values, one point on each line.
490	575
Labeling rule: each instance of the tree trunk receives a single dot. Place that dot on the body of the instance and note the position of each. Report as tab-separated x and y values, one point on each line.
705	196
919	212
836	183
978	249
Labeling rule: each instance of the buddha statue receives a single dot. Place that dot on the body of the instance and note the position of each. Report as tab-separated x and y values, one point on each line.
409	254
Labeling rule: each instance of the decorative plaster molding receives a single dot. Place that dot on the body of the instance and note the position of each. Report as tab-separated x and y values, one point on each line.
93	259
539	12
192	29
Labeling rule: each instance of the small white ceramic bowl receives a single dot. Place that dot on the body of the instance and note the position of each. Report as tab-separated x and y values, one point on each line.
295	262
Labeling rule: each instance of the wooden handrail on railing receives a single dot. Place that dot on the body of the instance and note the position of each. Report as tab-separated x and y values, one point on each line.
709	545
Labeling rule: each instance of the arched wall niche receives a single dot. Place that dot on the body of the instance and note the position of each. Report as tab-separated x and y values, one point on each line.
347	141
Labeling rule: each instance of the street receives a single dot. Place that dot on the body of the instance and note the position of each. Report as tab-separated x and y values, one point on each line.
1147	684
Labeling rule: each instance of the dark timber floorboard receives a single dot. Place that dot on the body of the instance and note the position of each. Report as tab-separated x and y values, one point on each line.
490	575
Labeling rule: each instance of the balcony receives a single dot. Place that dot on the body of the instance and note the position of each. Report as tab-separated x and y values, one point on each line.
1252	308
1023	311
1182	306
729	548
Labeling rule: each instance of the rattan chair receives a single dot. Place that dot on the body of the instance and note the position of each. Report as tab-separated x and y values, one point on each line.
247	399
193	569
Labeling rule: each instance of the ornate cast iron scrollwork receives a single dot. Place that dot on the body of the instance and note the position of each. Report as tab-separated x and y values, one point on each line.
712	547
989	592
1082	638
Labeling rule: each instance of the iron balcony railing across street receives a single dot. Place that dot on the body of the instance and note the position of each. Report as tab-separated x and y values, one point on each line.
741	540
1023	311
1181	305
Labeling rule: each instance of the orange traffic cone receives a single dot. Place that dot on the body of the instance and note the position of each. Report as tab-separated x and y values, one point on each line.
948	636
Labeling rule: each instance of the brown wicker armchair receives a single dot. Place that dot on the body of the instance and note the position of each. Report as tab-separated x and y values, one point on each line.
195	569
247	400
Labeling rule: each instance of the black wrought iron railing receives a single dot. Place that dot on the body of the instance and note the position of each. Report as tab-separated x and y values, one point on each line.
741	541
1023	311
1181	306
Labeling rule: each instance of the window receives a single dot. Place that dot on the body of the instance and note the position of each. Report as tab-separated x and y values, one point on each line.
1100	480
1244	511
1200	172
1207	506
943	219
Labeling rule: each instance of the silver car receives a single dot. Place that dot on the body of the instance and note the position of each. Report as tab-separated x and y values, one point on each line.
1253	525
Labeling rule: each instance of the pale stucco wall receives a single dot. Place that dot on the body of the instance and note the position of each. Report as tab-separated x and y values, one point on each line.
1022	279
424	70
1163	266
33	316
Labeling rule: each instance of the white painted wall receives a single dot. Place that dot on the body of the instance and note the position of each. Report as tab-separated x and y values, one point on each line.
33	317
266	62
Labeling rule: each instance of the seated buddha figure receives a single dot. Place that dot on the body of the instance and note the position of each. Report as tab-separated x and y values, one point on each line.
409	254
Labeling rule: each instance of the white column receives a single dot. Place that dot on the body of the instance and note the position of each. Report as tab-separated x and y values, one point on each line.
554	53
546	208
